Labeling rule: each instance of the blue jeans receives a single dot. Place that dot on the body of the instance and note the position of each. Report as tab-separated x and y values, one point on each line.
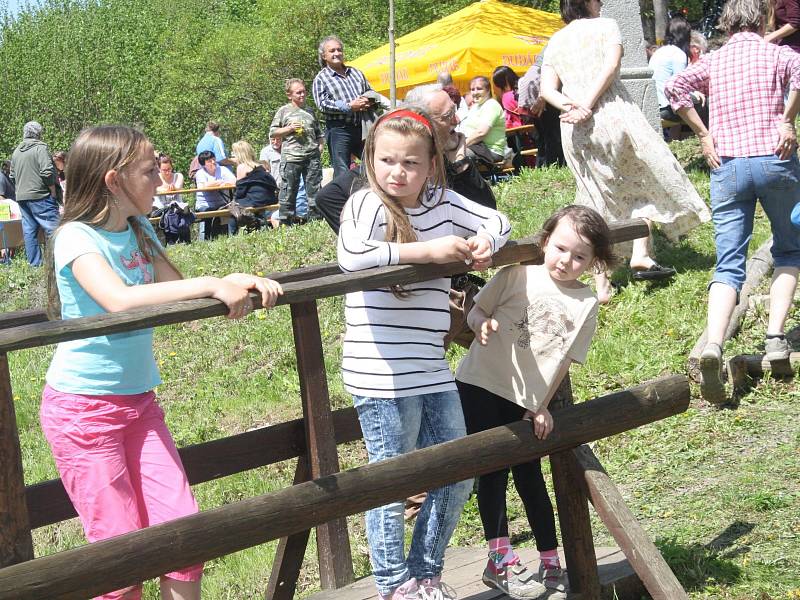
394	426
735	186
343	141
37	214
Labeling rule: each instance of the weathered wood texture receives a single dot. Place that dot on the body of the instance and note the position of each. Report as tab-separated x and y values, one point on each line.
333	539
21	317
640	551
757	267
573	512
756	365
16	544
291	550
42	334
48	501
133	557
464	567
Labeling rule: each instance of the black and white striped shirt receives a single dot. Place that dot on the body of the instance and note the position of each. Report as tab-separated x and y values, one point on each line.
333	93
394	347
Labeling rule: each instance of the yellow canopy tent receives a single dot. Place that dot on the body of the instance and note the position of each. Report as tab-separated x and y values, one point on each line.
470	42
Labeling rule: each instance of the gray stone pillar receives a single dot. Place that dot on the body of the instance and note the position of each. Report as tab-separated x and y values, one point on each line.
635	74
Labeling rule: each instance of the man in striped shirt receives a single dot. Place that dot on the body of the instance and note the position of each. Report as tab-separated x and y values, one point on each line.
339	93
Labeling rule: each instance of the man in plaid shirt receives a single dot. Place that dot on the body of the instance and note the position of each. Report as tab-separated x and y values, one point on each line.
338	92
752	151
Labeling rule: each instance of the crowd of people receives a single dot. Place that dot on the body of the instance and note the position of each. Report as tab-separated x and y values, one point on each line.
417	197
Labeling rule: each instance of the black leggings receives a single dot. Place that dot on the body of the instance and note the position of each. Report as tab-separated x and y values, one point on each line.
484	410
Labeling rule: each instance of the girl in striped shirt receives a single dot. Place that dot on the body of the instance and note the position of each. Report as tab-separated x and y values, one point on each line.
393	357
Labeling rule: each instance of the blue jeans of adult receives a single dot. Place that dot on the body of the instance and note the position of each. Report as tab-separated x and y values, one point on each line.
394	426
208	229
344	140
735	186
36	215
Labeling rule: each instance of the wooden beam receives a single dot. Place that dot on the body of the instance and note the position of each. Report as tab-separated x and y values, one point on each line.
140	555
52	332
641	553
16	543
573	513
48	501
290	553
333	539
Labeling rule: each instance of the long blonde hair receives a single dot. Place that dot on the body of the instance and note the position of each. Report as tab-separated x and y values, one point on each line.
398	226
244	154
87	199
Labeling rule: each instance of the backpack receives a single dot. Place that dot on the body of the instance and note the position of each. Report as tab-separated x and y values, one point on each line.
176	223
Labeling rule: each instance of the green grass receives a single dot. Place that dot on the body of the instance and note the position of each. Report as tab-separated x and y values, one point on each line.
718	490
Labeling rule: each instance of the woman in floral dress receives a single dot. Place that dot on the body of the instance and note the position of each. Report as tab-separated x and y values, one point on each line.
622	167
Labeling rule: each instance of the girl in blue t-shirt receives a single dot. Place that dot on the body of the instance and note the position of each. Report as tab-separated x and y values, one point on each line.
116	457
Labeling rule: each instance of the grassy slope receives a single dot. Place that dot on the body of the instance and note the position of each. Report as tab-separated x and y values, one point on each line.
719	490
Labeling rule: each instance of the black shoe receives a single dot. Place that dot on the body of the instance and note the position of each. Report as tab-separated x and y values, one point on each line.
655	273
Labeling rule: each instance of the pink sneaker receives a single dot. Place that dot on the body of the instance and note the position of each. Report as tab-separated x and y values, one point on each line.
433	589
408	591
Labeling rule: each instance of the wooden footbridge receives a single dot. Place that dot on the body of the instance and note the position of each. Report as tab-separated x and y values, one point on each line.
322	496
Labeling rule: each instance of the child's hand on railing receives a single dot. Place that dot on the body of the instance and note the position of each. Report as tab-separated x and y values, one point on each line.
270	289
481	248
542	422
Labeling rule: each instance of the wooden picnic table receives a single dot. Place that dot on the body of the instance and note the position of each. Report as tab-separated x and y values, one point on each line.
225	213
519	129
216	188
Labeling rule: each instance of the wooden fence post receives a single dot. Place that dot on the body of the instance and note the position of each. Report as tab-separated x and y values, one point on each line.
333	541
573	513
290	552
16	543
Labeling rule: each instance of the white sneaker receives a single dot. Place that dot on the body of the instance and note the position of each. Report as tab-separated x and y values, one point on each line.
711	387
435	590
776	349
515	581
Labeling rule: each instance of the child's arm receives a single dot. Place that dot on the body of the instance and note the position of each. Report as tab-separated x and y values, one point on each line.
360	244
105	287
542	419
481	324
486	228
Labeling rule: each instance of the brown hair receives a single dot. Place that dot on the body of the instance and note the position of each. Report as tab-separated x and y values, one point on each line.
290	82
589	225
398	226
742	15
572	10
87	199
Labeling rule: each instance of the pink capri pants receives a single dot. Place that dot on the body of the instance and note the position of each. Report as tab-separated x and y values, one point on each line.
119	465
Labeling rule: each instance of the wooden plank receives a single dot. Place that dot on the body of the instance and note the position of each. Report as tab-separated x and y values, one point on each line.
464	566
757	268
52	332
333	539
136	556
573	513
291	550
22	317
224	212
16	543
642	554
211	188
48	501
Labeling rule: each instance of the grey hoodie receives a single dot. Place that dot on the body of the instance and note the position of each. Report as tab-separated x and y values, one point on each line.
32	170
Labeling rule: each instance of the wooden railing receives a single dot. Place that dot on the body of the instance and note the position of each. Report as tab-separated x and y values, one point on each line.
322	496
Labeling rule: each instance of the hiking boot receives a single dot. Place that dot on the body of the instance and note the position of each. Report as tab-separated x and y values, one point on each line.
554	580
434	589
776	349
513	580
711	387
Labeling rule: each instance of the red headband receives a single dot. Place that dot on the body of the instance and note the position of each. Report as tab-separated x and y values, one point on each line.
404	112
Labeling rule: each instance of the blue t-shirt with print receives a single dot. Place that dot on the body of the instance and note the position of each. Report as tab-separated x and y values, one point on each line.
121	363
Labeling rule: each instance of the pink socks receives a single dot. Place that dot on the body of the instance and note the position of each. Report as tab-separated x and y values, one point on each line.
501	554
550	559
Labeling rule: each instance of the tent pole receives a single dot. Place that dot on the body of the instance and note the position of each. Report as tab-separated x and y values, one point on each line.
392	80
